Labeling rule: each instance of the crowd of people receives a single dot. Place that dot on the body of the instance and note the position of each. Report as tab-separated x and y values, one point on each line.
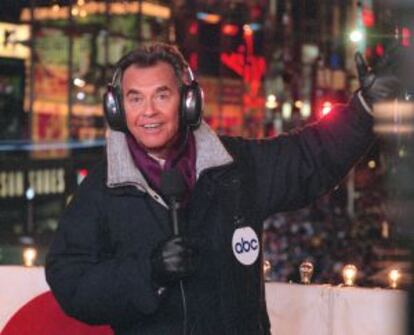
329	236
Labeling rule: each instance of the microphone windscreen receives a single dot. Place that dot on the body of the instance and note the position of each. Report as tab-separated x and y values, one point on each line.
172	184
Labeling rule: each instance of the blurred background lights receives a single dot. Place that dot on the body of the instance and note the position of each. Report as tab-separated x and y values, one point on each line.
356	36
306	110
286	110
30	193
402	152
230	29
208	17
75	11
254	26
326	107
247	29
298	104
271	102
80	95
79	82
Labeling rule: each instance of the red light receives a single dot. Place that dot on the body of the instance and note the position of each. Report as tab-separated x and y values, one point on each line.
83	172
251	69
406	35
326	108
256	12
368	18
193	60
193	28
379	50
230	29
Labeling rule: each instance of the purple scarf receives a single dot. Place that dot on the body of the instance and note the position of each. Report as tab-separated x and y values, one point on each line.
181	157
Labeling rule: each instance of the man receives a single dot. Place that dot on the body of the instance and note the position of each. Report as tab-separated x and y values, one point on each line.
116	259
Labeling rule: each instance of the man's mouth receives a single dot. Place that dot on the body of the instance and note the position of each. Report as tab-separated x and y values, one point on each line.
151	126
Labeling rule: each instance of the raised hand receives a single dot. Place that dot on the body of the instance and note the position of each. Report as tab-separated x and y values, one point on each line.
380	83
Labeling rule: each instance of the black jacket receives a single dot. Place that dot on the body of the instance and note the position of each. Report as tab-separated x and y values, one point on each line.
98	266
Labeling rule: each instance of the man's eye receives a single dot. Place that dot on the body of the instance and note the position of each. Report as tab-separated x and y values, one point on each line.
162	96
135	99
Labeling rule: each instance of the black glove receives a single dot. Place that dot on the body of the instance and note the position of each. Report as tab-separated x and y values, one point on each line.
173	260
381	83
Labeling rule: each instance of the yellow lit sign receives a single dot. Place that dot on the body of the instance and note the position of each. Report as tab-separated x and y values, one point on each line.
93	8
40	181
14	39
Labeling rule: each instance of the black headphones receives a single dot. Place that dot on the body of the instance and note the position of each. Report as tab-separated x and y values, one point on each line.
191	101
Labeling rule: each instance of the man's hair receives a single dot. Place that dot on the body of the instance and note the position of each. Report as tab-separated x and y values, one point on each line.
150	54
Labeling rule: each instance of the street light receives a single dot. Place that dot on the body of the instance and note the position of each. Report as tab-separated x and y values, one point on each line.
356	36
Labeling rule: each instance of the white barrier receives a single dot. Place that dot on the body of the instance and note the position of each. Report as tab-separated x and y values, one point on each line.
28	308
329	310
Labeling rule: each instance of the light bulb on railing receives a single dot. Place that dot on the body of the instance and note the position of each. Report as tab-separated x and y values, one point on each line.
306	272
29	256
393	277
349	274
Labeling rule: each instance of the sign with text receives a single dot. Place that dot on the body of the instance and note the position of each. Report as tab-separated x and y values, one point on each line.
41	181
14	40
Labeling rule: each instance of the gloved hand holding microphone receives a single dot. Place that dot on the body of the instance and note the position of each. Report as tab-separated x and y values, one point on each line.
175	258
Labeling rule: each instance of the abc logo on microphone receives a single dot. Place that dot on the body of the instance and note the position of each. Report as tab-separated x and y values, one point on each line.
246	246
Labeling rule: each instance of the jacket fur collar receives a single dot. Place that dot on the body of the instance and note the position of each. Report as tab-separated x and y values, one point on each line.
122	171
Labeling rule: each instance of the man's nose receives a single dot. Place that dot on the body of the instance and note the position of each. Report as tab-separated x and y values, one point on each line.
150	109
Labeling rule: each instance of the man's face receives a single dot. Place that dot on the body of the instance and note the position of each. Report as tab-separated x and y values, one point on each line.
151	97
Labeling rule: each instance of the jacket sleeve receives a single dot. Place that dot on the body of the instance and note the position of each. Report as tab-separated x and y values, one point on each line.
89	283
294	169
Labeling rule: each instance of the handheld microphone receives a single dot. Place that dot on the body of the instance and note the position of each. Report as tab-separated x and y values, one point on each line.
173	189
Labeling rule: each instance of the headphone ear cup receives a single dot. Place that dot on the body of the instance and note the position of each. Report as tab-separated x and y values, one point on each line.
112	106
192	101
